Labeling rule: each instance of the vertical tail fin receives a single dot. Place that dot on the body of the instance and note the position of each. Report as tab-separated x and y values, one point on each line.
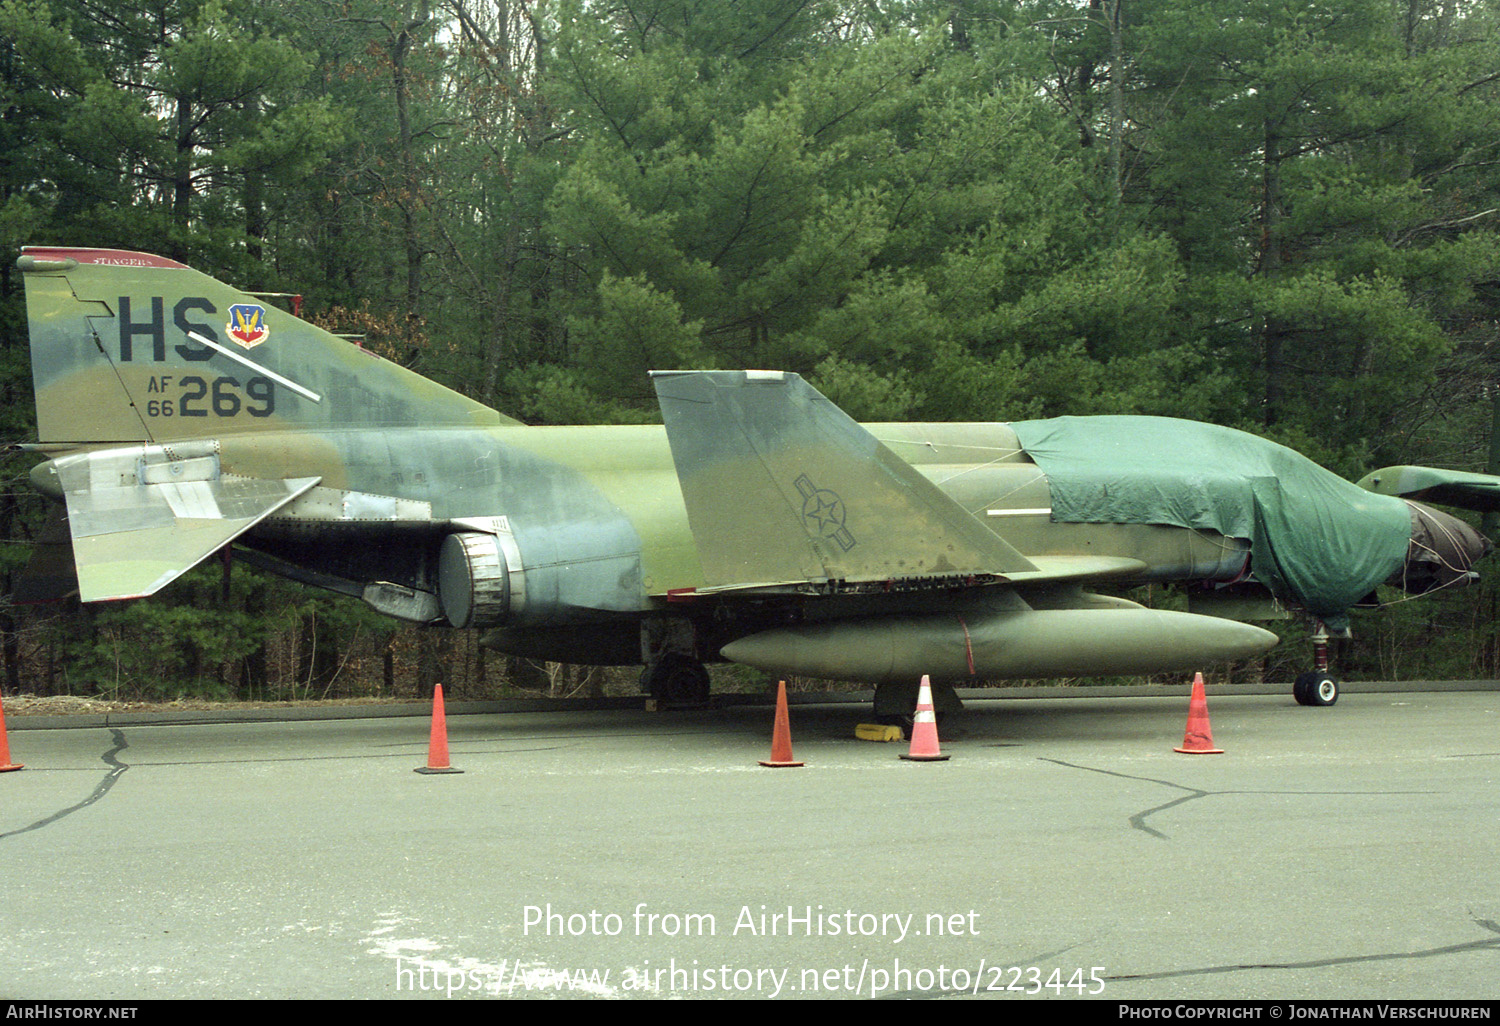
131	347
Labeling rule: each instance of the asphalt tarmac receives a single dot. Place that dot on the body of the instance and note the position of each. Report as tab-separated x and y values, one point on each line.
1065	850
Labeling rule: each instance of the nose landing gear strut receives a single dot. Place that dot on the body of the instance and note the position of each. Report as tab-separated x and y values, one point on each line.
1318	687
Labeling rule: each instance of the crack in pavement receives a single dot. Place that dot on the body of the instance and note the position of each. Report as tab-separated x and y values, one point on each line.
117	769
1487	944
1138	821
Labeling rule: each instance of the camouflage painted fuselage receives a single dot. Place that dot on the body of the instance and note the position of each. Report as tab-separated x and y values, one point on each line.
601	532
180	415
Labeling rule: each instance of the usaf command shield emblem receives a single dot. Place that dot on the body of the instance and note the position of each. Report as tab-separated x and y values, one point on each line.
247	325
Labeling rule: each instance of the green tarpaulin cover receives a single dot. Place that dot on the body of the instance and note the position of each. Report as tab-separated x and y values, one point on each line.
1315	539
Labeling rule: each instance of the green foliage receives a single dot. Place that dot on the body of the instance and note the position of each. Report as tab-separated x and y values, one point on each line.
864	393
156	649
638	329
1273	215
959	385
562	395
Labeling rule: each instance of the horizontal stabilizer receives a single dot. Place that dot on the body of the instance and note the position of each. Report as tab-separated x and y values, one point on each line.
1479	492
782	486
140	517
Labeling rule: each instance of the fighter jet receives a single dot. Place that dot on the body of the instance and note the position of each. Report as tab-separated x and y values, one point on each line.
758	525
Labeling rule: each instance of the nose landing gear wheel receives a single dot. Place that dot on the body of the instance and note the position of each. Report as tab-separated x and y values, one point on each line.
1315	689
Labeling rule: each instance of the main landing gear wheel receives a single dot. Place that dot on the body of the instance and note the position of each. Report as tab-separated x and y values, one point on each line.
896	703
1315	689
676	679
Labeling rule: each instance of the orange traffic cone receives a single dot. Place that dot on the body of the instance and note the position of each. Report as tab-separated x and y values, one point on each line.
781	734
924	739
437	743
5	764
1199	739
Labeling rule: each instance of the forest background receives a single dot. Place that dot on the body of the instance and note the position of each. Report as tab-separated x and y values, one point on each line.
1279	215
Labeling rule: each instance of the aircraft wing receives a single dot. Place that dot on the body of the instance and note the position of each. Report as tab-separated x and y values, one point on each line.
783	487
140	517
1480	492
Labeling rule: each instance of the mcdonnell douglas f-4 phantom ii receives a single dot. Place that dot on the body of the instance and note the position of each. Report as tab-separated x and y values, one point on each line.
759	525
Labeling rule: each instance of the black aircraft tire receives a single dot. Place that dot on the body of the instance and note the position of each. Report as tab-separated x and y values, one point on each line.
678	680
1325	691
1299	688
1315	689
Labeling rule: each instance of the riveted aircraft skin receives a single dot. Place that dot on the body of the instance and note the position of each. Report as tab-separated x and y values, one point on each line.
179	415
